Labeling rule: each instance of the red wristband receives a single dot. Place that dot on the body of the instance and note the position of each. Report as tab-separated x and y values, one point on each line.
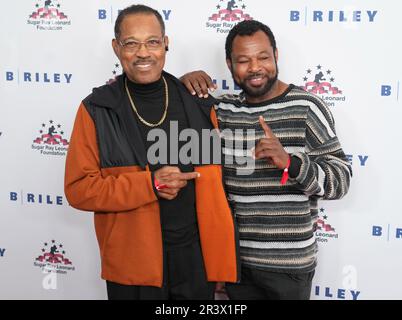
159	186
285	175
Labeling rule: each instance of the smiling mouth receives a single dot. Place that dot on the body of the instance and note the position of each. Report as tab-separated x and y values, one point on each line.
143	64
256	81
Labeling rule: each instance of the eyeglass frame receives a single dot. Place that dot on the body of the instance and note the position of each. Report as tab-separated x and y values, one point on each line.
140	43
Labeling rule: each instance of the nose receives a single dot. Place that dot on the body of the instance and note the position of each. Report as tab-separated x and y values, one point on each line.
254	66
142	51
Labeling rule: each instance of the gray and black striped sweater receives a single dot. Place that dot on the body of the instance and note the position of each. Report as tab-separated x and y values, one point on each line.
277	223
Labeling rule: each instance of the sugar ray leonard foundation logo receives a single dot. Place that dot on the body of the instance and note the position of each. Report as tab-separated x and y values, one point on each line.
53	258
228	14
50	140
117	70
48	16
321	81
324	230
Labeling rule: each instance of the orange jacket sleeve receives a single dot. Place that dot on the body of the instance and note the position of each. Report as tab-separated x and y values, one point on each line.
89	188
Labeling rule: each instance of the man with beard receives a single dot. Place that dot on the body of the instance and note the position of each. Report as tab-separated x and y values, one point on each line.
298	160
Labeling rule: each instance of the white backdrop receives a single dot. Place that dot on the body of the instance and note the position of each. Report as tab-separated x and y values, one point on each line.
51	60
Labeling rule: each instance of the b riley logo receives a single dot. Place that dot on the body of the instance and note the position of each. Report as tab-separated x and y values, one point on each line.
53	259
228	14
324	230
51	141
321	81
48	16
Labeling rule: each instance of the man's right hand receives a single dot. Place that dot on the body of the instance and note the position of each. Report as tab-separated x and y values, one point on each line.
198	82
172	180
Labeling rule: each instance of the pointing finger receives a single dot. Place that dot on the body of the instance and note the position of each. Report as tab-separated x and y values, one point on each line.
186	175
267	130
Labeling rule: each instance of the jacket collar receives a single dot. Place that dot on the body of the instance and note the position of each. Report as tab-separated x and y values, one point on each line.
113	97
110	95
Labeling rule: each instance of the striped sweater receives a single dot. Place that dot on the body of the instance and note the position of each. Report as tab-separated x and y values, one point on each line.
277	223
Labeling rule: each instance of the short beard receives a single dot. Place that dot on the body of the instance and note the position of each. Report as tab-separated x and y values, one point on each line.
258	92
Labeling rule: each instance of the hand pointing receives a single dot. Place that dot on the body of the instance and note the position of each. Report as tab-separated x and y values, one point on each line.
271	148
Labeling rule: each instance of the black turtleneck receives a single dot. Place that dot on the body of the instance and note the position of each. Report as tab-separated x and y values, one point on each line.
178	216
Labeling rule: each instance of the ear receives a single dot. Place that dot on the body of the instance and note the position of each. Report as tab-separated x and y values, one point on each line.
229	64
116	48
276	54
166	43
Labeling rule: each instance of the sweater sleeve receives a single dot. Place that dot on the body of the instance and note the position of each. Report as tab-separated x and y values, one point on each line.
85	186
324	169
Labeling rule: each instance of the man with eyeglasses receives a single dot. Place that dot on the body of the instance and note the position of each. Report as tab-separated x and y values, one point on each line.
165	229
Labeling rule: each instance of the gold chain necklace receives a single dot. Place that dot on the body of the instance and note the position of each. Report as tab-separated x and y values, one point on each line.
152	125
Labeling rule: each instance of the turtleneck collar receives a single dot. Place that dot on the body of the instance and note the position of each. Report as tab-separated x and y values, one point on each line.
146	90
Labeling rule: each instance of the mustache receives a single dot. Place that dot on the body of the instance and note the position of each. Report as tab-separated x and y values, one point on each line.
143	61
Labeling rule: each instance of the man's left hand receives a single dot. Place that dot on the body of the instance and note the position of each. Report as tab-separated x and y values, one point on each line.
198	83
270	148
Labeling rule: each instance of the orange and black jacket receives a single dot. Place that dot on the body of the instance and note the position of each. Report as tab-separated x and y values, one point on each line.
107	173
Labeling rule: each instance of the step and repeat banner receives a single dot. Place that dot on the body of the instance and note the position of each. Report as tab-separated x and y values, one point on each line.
54	52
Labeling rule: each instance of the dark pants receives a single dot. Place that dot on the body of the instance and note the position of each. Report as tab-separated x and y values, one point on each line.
264	285
184	278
